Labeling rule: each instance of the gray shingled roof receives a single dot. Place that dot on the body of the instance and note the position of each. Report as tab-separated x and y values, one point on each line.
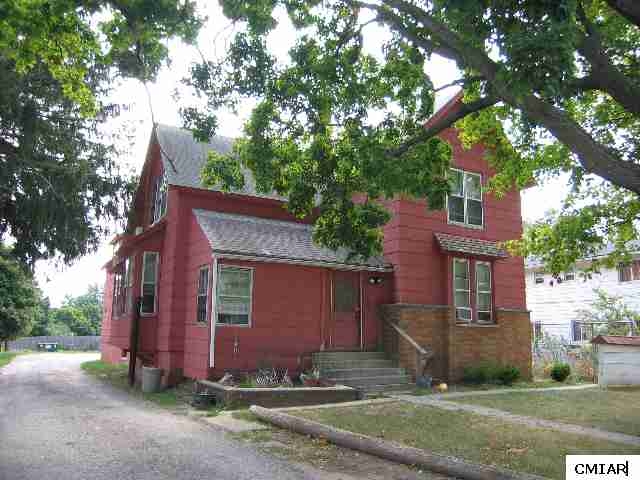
274	240
470	246
183	158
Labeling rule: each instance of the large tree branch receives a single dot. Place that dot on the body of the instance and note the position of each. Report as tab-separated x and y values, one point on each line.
604	74
594	157
439	124
629	9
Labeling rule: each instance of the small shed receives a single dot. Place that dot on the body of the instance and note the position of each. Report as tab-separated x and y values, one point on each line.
618	360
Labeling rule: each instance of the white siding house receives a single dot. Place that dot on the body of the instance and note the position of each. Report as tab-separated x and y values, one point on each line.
554	303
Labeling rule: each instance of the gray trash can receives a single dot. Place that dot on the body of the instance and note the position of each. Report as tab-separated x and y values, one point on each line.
151	379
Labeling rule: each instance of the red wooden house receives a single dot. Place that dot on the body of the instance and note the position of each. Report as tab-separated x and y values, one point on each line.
231	281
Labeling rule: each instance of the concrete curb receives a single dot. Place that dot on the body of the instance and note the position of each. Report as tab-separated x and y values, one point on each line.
389	450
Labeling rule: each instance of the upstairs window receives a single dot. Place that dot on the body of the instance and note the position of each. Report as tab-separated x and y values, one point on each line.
462	290
234	291
203	294
150	262
159	204
538	277
464	202
569	275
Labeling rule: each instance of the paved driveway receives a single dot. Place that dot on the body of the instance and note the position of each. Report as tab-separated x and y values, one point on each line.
57	422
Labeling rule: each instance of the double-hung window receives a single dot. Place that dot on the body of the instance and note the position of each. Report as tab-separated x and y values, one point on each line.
483	292
159	204
118	285
234	289
150	261
203	294
472	280
464	202
128	285
462	290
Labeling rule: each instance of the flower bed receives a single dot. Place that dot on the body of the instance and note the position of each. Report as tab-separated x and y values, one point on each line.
237	396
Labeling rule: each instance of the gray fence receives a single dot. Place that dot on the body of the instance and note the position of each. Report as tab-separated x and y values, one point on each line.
66	343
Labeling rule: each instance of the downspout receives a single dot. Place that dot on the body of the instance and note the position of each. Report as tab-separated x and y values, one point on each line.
361	311
213	320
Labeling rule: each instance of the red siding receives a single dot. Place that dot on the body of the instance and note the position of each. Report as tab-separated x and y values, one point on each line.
420	268
291	312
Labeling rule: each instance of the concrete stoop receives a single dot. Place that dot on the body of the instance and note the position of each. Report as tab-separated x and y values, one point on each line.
370	372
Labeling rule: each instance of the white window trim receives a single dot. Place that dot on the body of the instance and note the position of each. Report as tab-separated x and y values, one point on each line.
206	295
218	276
456	290
537	275
465	224
155	286
490	292
158	184
128	279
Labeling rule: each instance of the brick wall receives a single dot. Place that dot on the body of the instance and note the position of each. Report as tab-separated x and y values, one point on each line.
457	346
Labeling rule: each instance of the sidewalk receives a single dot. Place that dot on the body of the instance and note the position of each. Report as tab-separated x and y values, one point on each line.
437	402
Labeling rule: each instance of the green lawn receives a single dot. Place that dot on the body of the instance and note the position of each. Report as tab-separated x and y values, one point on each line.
462	387
472	437
6	357
116	375
615	409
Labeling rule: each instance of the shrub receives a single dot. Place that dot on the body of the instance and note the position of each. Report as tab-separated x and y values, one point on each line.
560	371
508	374
476	374
490	373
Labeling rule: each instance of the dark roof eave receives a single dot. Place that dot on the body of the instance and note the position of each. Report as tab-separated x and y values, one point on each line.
302	261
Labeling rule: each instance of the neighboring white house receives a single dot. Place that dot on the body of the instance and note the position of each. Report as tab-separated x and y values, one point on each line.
555	302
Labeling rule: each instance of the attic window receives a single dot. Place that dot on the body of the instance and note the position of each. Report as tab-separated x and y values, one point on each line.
464	202
159	204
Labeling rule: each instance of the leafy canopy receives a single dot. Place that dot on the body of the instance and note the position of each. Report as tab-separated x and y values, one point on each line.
19	297
60	185
550	88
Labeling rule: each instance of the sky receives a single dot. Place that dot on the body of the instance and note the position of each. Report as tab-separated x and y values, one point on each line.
160	105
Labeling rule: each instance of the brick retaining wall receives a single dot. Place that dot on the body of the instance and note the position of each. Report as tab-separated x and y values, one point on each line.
457	346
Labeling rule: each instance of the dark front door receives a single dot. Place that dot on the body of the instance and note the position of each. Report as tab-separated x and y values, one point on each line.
346	311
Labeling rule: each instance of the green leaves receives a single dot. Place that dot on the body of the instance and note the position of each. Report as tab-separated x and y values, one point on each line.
19	297
337	122
60	186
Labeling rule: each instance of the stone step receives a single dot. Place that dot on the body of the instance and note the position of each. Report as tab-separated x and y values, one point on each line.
325	365
346	373
319	356
366	382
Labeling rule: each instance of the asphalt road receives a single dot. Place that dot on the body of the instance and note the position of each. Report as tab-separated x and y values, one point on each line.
57	422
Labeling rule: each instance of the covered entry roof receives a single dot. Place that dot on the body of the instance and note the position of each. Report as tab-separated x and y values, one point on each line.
262	239
470	246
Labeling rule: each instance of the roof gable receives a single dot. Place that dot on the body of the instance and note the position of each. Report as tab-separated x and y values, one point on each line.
183	158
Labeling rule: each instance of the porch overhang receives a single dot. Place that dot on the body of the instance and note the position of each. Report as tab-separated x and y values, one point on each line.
241	237
456	244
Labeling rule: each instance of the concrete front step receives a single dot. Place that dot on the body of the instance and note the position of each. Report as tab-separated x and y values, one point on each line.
366	382
348	373
333	356
325	365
